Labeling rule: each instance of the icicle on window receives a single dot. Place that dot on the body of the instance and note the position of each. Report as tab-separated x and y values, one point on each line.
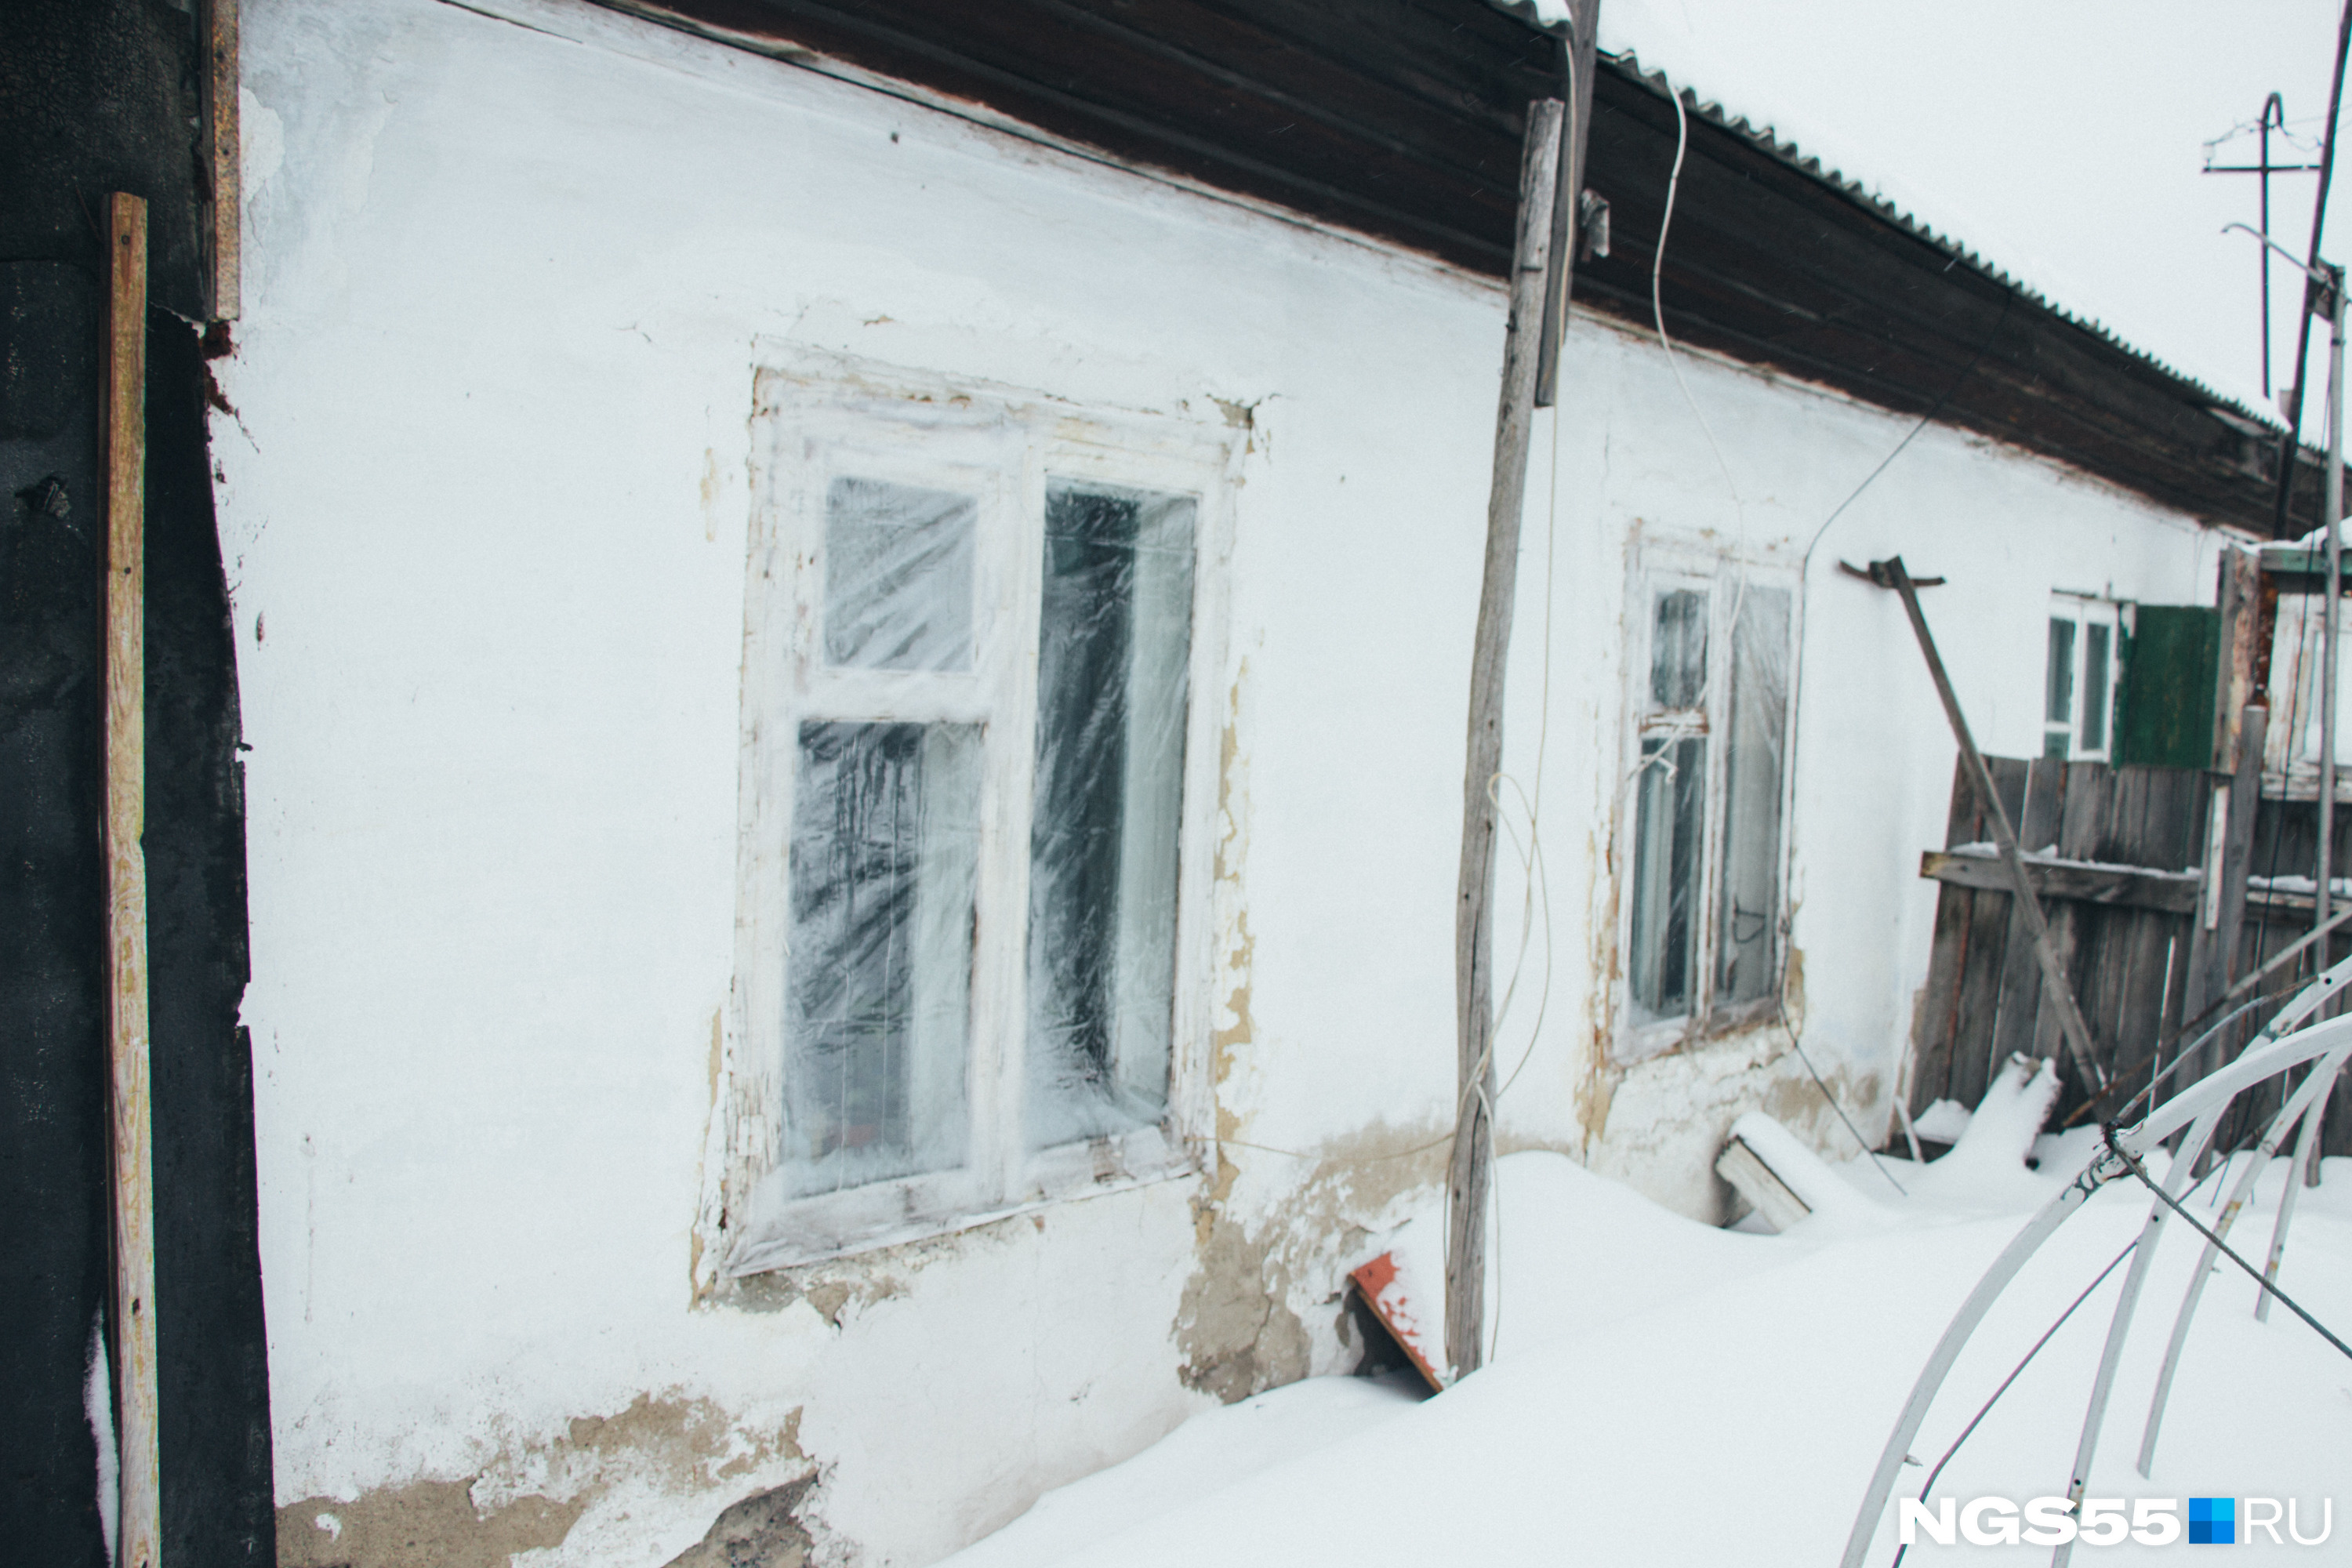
2058	705
883	863
1748	921
898	577
1670	798
1114	636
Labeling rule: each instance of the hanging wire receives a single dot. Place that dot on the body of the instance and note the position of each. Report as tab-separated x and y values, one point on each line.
2116	1147
2015	1372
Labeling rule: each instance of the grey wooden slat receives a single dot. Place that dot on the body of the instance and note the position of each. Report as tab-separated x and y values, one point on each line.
2020	969
1948	953
2172	892
2088	787
1938	1019
1979	998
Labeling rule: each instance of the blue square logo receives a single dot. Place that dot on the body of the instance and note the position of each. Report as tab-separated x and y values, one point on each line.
2212	1521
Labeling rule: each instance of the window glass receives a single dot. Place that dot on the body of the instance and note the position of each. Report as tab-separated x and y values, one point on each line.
1749	921
1667	834
898	577
1678	649
2059	706
1114	638
884	858
2095	687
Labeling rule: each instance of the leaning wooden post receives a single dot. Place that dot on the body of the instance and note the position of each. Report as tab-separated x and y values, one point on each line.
2056	989
138	1535
1466	1171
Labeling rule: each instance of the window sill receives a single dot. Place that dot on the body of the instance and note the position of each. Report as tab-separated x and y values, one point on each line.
793	1232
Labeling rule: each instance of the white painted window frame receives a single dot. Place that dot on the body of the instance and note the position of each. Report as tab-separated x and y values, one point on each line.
816	415
2086	610
1657	564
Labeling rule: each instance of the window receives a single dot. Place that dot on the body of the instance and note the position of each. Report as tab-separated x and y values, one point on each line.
972	955
2291	749
1702	922
2080	678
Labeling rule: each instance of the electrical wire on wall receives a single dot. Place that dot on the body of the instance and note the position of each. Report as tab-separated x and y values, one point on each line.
1784	914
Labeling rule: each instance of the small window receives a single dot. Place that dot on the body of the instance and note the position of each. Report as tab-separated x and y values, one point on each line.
2081	674
972	961
1703	929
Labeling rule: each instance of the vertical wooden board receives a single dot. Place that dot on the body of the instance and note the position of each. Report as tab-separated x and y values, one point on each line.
2009	777
2089	786
2126	806
2015	1022
2157	946
1979	1001
1940	1005
123	825
222	150
2044	807
1964	824
2065	939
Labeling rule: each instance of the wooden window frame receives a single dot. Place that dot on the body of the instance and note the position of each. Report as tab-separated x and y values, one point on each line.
2087	610
1658	566
816	415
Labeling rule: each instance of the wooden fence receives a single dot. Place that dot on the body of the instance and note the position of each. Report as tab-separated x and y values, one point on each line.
2118	856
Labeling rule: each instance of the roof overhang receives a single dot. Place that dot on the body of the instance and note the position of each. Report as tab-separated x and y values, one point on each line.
1401	119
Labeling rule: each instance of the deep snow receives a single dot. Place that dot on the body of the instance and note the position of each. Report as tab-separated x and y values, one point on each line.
1664	1393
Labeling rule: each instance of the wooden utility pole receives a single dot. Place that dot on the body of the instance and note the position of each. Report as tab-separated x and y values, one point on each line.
1542	259
138	1534
1568	196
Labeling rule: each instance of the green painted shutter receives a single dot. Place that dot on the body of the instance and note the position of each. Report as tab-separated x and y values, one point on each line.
2164	715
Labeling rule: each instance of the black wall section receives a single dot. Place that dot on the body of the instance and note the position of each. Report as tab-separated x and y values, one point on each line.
218	1505
53	1173
99	95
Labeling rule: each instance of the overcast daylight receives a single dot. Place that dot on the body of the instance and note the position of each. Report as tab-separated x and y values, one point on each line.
1124	784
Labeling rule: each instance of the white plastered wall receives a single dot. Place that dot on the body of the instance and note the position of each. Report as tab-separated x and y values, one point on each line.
1745	463
484	500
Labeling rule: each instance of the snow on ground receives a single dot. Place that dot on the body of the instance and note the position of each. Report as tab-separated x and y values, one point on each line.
1663	1393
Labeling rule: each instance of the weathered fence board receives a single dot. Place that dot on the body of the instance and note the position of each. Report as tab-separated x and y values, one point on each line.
2122	927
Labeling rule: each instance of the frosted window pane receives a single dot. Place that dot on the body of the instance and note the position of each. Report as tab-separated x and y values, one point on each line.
2095	688
1669	798
1749	923
885	853
898	577
2060	707
1114	641
1678	649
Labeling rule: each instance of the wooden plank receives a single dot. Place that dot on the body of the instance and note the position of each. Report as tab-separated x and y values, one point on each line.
1467	1172
222	155
1584	21
1933	1025
2174	892
1938	1020
124	412
2238	593
1979	1000
2020	969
